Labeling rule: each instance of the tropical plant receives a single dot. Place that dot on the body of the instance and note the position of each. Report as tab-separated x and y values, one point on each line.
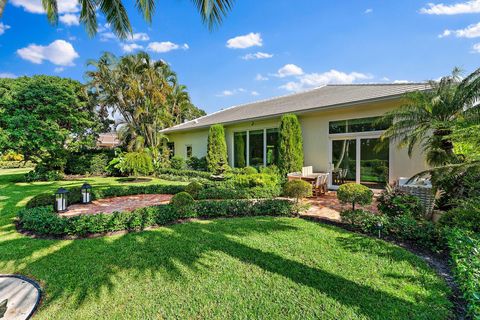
136	163
428	118
290	145
216	149
144	93
211	12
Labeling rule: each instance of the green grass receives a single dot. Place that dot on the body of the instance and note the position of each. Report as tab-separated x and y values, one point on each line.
244	268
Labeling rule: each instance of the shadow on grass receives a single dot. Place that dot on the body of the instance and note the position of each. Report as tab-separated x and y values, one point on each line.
69	271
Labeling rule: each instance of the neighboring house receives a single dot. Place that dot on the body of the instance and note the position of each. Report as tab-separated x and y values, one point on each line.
108	140
339	133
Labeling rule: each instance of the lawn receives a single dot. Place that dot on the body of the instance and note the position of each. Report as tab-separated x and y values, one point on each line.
244	268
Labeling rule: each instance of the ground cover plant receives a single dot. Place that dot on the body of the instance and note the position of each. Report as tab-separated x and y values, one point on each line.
284	268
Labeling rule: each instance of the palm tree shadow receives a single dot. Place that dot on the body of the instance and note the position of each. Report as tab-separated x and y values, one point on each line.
146	253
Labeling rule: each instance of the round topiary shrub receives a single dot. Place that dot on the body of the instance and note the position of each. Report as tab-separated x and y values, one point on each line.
297	189
249	170
354	193
183	203
194	189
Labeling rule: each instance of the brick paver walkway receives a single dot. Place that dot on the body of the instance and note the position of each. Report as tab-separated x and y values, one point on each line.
328	207
125	203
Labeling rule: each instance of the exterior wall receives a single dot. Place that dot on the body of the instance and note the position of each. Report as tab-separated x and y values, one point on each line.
316	138
197	139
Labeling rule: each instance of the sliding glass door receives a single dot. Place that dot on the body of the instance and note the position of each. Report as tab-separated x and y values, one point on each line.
363	160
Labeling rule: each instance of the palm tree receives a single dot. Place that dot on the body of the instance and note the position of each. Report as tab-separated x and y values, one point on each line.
428	118
211	12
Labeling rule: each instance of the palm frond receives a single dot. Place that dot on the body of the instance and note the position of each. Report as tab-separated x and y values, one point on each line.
51	8
146	8
212	12
117	16
88	16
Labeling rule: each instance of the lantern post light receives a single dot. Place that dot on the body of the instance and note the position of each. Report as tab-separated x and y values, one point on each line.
61	200
379	228
86	193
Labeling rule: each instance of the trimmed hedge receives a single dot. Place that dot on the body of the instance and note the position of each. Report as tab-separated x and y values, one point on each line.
183	173
15	164
44	221
465	254
74	195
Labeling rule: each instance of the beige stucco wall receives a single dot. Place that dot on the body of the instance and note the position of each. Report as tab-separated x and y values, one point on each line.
316	138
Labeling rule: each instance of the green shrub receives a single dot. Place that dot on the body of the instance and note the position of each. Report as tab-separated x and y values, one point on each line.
185	173
290	145
199	164
177	163
394	203
11	156
137	163
249	170
43	221
465	253
297	189
466	216
355	194
194	189
41	174
15	164
365	221
217	160
88	162
456	186
183	203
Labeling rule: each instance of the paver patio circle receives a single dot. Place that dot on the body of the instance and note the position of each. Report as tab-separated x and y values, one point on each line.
20	295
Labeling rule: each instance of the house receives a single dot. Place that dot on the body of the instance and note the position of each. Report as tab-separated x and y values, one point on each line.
338	128
108	140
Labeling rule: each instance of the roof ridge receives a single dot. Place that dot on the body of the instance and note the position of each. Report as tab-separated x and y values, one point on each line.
376	84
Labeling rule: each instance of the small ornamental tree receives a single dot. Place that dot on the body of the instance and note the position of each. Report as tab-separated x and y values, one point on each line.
216	149
354	193
297	189
136	163
290	145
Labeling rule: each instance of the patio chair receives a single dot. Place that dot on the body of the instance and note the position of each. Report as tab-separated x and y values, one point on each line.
306	171
321	185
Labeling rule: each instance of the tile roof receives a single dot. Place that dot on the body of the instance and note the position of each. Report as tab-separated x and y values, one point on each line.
322	97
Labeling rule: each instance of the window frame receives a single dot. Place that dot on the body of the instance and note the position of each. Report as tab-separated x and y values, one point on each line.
247	131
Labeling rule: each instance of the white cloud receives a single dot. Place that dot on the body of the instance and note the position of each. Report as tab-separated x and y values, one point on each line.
369	10
472	6
245	41
254	93
289	70
476	48
106	36
259	77
59	52
258	55
35	6
311	80
232	92
161	47
401	81
138	37
58	69
131	47
472	31
7	75
3	28
70	19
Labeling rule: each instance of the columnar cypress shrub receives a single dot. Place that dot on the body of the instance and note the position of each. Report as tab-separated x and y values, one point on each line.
217	148
290	145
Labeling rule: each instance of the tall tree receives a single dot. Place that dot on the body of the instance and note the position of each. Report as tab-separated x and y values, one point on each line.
41	116
428	118
212	13
145	93
290	145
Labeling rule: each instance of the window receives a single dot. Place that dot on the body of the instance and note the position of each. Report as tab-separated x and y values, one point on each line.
272	146
189	151
255	148
240	149
356	125
171	148
255	153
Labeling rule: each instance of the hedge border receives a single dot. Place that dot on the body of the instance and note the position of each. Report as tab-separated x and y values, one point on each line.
44	222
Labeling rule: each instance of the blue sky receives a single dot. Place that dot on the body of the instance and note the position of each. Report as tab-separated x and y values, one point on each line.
263	49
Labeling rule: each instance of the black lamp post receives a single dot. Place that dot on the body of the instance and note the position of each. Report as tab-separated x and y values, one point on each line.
61	200
86	193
